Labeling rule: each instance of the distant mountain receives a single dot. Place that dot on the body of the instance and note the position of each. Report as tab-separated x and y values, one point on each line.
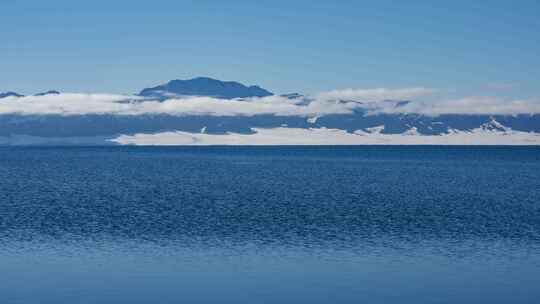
51	92
362	125
13	94
112	126
204	86
10	94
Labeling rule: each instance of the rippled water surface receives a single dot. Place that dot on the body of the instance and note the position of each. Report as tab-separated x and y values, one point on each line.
270	225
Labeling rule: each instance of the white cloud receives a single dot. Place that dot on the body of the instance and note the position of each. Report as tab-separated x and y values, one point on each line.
376	95
81	104
275	105
335	102
469	106
66	104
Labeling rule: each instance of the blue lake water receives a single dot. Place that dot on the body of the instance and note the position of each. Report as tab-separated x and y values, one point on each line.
269	225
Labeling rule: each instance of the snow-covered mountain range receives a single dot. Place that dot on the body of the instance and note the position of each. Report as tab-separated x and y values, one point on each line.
209	111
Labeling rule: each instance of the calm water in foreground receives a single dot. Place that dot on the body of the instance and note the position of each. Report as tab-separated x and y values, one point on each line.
270	225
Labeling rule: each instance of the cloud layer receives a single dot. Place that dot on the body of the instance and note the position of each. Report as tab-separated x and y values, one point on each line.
376	95
373	101
81	104
476	105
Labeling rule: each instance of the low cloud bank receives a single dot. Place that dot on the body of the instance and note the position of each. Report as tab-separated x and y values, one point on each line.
376	95
469	106
373	101
82	104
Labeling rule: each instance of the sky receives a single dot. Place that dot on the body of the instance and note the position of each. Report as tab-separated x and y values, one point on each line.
463	48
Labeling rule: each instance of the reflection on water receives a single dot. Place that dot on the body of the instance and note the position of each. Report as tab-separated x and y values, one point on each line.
265	225
141	273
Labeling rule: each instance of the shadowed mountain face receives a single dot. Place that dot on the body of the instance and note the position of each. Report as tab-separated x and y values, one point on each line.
113	125
203	86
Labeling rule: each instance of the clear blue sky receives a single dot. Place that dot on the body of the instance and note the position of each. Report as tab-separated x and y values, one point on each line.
308	46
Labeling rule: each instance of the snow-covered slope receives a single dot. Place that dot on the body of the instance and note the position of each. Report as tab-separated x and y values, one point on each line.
323	136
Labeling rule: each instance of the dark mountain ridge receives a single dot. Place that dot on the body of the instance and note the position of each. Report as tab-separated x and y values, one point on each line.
10	94
204	86
14	94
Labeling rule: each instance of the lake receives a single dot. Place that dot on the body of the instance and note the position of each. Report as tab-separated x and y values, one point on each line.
385	224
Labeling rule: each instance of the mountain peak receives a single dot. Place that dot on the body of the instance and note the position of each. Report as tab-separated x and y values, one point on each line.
204	86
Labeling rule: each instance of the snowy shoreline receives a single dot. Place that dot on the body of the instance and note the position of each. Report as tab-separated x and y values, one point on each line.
324	136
